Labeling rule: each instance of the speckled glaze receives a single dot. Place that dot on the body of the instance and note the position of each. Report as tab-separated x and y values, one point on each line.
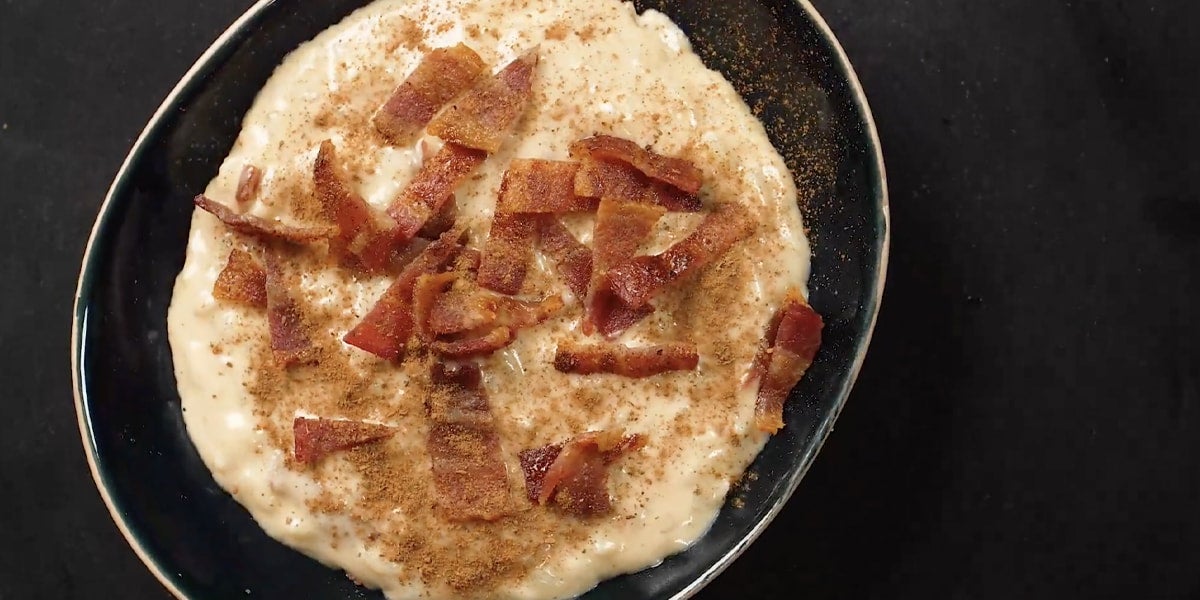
197	540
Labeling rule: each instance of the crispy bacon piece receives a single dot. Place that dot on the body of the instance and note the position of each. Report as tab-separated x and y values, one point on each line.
621	227
317	438
469	473
638	280
442	222
432	187
599	178
242	281
259	227
507	253
290	337
483	116
249	182
574	475
573	259
368	236
443	74
426	293
385	330
674	171
460	310
791	344
624	360
540	187
475	345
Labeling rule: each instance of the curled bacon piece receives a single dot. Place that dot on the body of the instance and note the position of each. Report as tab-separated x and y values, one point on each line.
291	343
469	473
259	227
368	236
638	280
573	259
249	182
621	227
472	347
483	116
473	322
624	360
674	171
574	475
790	345
440	76
506	255
540	187
442	222
599	178
385	330
242	281
432	188
317	438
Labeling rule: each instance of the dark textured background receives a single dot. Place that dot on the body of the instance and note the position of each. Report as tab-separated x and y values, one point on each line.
1027	422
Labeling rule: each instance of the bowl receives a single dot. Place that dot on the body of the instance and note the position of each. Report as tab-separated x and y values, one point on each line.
198	541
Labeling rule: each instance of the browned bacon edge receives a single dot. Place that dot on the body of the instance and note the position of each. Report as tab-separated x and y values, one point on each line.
315	439
385	330
624	360
573	259
440	76
640	279
366	237
483	116
249	183
259	227
242	281
532	186
791	345
474	344
574	475
291	343
675	171
469	474
428	290
432	188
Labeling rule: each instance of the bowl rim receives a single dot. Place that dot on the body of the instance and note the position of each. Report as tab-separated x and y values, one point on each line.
84	286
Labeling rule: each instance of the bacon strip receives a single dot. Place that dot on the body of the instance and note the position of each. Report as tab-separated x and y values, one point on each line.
574	475
259	227
472	347
469	473
242	281
507	253
442	222
638	280
364	234
249	183
599	178
432	187
428	289
540	187
440	76
385	330
674	171
793	344
621	227
291	343
574	260
624	360
317	438
489	111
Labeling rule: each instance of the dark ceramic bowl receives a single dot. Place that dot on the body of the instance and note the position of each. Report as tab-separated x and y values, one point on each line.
197	540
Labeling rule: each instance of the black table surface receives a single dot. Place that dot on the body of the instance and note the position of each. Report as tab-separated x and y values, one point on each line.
1027	424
